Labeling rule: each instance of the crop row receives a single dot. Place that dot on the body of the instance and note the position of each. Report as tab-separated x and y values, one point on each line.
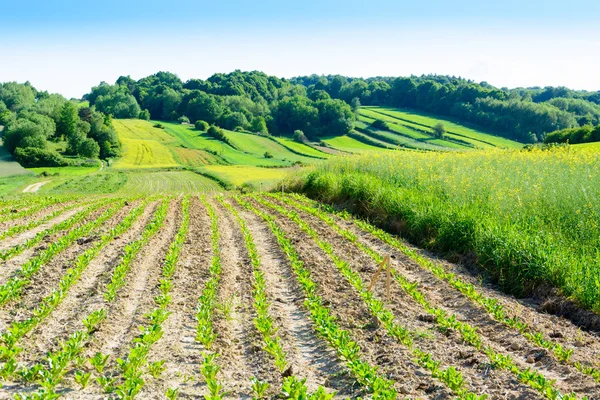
292	387
70	351
491	305
451	376
136	362
13	288
66	224
347	349
18	330
14	230
444	321
8	214
205	333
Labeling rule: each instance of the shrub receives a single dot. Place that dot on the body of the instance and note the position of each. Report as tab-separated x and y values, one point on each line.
88	148
201	125
33	157
145	115
159	126
380	124
300	137
218	134
439	130
268	155
183	120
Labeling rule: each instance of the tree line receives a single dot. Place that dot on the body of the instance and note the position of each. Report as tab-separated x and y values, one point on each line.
523	114
239	100
33	120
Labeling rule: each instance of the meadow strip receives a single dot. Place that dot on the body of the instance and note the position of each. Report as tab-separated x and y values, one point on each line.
451	376
491	305
18	330
445	321
133	366
339	339
13	288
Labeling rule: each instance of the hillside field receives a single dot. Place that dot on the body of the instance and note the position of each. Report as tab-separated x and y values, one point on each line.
264	296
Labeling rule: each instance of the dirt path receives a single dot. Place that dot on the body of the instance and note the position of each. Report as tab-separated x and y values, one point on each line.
34	187
309	356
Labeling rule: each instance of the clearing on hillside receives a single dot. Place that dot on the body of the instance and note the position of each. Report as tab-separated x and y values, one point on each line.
261	296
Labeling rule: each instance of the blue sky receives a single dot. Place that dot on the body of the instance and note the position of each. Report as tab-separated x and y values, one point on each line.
71	46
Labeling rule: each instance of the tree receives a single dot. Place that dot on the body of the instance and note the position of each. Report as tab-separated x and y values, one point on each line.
380	124
23	133
88	148
145	115
439	130
201	125
259	125
183	120
355	104
66	126
300	137
335	117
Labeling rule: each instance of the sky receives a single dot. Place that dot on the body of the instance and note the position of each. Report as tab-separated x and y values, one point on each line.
71	46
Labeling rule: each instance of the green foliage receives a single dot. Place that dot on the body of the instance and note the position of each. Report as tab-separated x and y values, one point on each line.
259	125
439	130
267	155
300	137
114	100
380	124
584	134
218	134
201	125
144	115
30	157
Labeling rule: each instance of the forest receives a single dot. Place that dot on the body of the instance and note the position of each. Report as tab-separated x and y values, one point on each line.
37	125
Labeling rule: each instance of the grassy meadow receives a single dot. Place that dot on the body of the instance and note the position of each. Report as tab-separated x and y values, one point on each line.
528	217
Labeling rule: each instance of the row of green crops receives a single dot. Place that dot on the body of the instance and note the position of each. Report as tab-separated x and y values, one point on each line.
451	376
205	333
442	318
135	364
17	330
347	349
491	305
16	229
64	225
13	288
25	208
292	388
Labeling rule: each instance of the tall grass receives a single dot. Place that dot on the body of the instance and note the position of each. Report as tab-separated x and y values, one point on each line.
527	217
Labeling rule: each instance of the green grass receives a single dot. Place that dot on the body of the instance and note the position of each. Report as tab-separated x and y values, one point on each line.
245	174
143	145
527	217
8	166
105	182
258	145
455	129
350	145
157	182
302	148
396	139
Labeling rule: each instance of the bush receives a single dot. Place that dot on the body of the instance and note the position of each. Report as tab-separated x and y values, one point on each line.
159	126
268	155
30	157
145	115
89	148
218	134
183	120
300	137
201	125
439	130
380	124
